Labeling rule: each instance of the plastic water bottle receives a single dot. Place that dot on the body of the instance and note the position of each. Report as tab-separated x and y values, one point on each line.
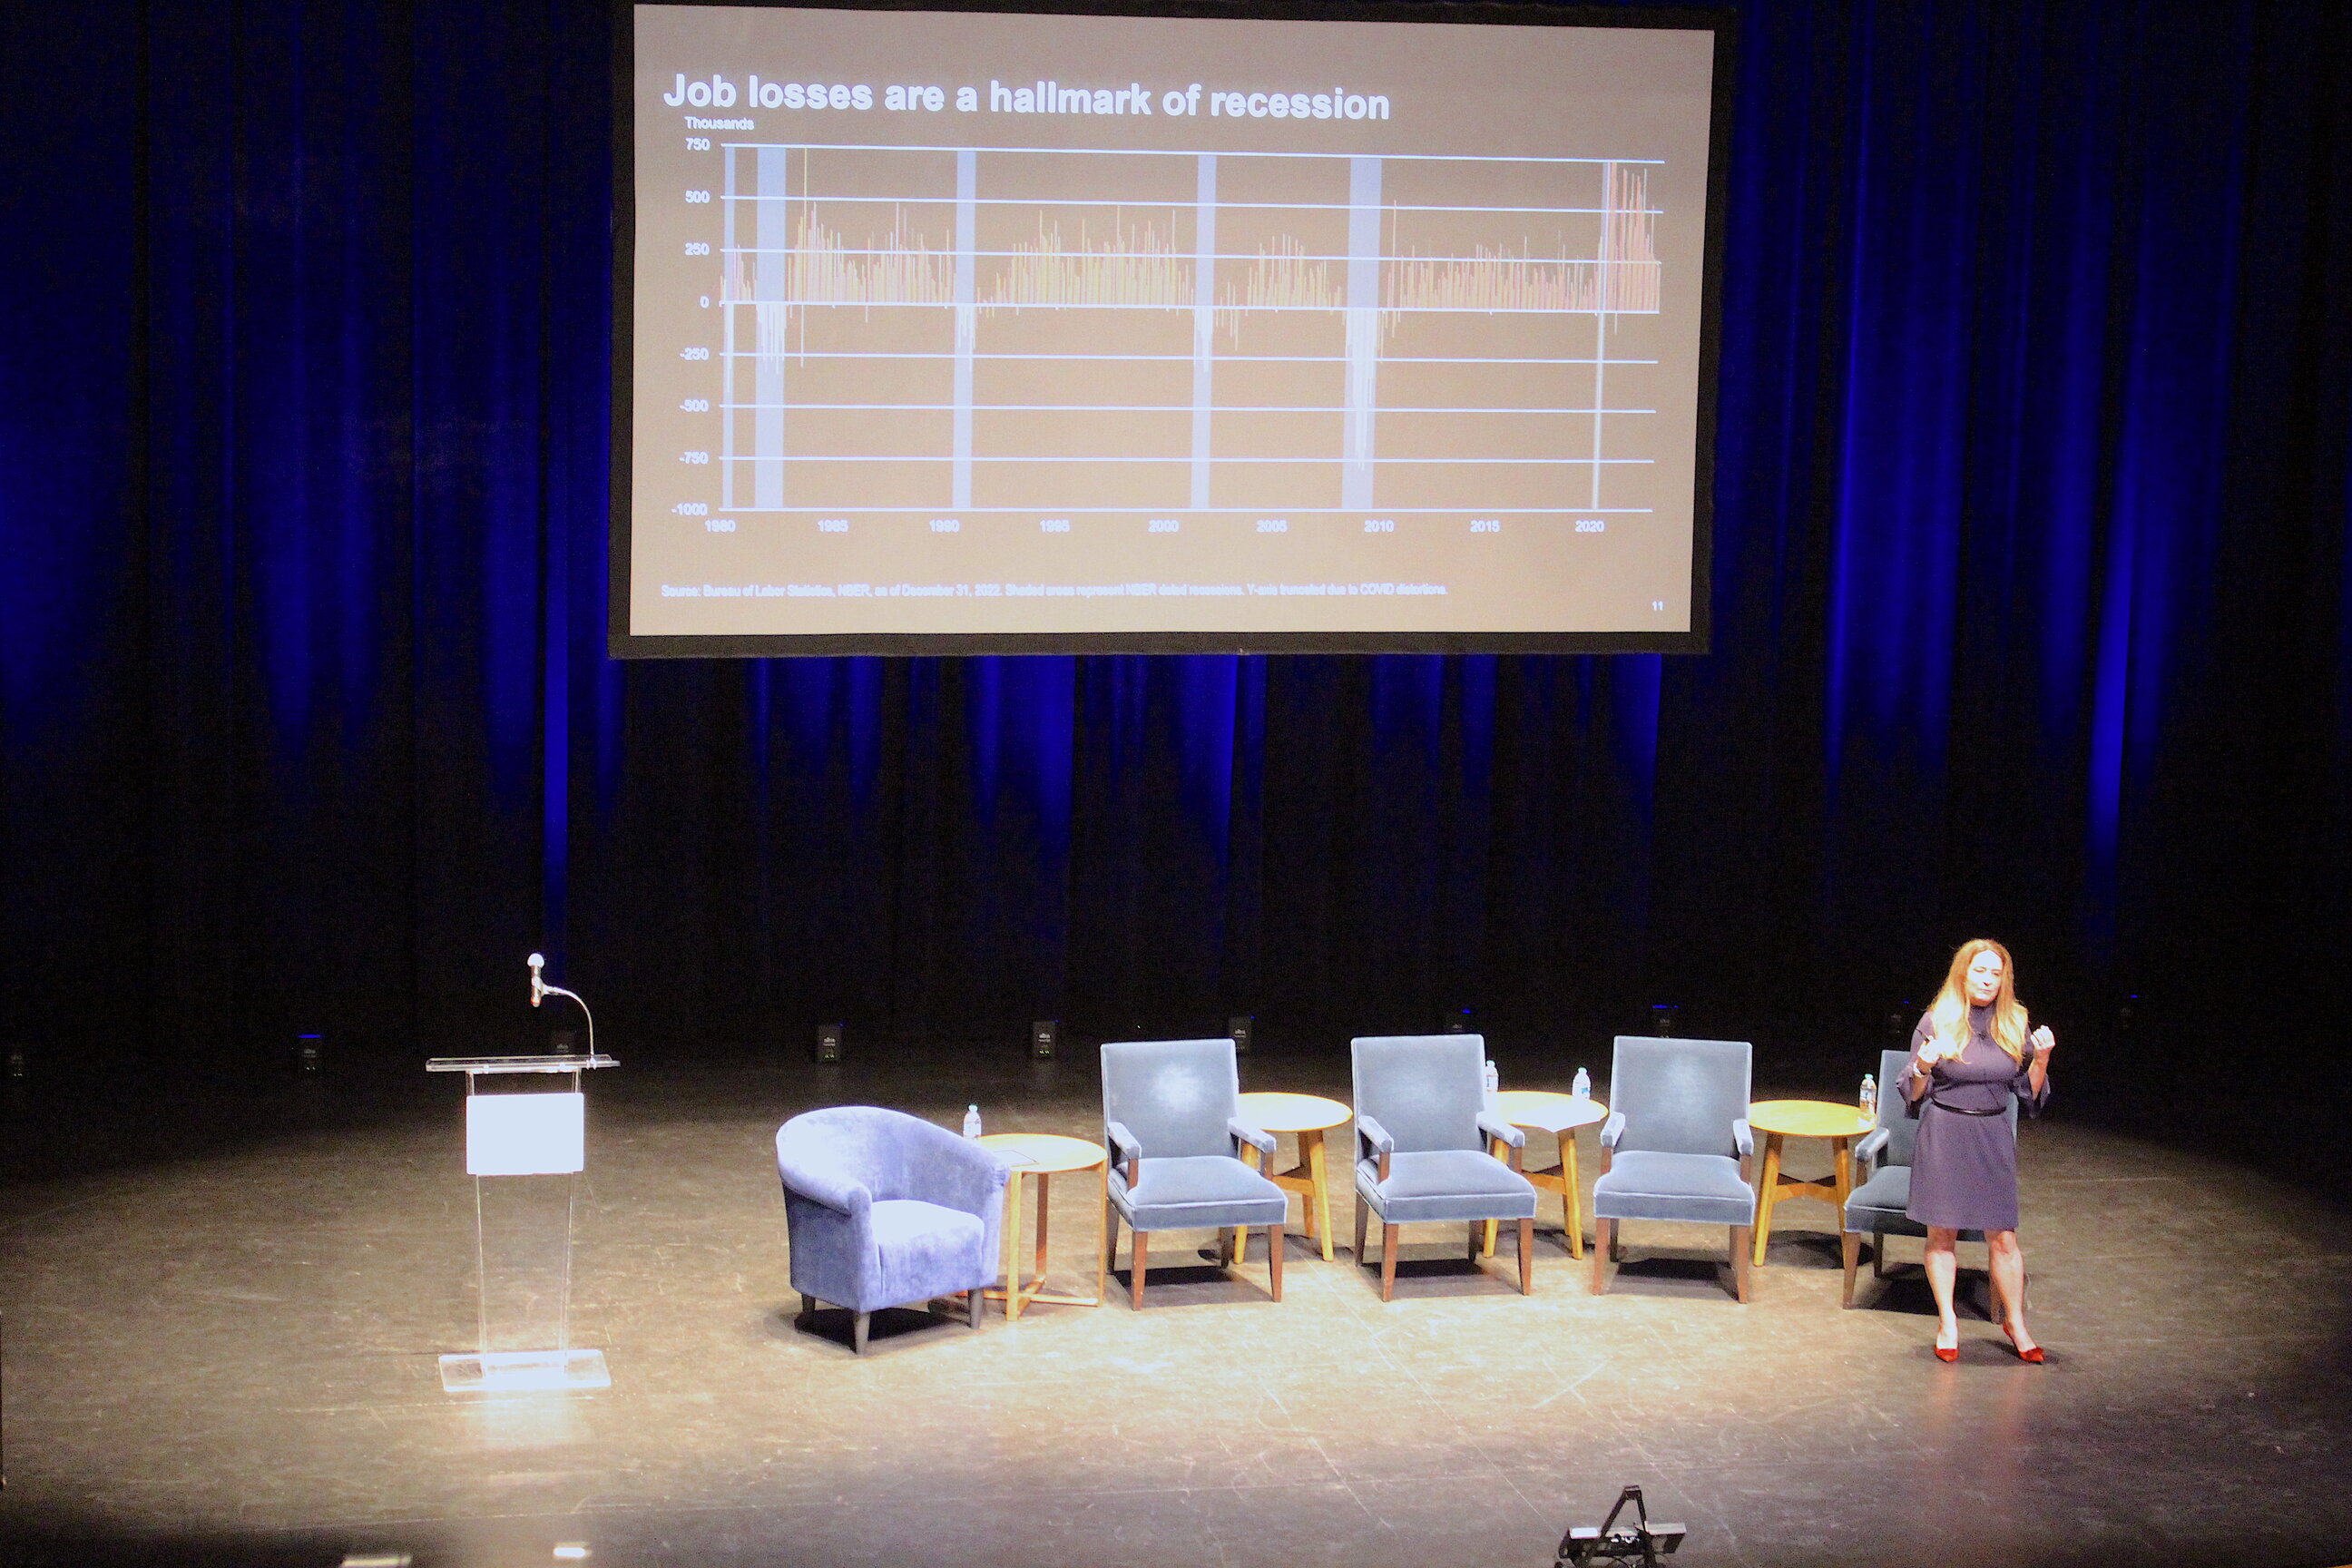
1583	1087
972	1121
1493	1084
1869	1098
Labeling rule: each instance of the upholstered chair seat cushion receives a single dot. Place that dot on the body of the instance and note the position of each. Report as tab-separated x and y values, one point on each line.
1178	1192
1650	1184
916	1244
1887	1192
1445	1185
1881	1204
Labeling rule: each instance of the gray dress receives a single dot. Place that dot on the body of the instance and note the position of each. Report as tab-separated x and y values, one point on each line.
1964	1168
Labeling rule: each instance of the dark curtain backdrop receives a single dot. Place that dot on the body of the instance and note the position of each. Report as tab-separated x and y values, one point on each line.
2031	599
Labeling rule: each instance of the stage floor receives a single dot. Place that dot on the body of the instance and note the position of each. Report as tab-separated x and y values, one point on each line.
231	1357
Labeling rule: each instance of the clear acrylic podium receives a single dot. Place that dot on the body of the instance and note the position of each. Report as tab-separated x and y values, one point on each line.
525	1149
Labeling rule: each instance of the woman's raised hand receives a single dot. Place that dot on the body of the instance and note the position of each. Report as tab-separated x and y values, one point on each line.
2044	1042
1930	1052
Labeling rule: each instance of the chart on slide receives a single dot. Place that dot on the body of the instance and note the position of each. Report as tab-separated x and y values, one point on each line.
1074	333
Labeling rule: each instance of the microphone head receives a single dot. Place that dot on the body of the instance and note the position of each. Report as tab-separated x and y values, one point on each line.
538	987
537	961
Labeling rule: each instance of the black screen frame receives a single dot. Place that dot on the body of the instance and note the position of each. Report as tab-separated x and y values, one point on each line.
622	643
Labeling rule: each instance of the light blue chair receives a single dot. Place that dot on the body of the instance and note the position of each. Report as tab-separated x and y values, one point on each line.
1677	1145
1171	1121
883	1209
1880	1203
1421	1155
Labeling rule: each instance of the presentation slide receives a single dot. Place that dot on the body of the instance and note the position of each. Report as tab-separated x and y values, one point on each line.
951	330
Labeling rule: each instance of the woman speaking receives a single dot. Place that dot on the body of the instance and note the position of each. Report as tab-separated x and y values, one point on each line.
1971	1055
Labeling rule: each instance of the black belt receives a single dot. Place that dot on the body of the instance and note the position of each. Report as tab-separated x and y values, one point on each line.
1996	1111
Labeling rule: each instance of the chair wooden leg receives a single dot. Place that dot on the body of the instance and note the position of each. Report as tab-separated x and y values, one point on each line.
1526	1257
1108	1258
1851	1242
858	1332
1604	1237
1142	1248
1878	1255
1743	1236
1479	1237
809	1304
1363	1214
1388	1262
976	1305
1616	1242
1274	1257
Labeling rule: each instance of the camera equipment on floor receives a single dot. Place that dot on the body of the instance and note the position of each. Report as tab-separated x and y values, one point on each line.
1641	1542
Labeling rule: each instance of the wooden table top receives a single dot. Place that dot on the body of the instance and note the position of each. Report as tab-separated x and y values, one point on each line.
1809	1119
1292	1112
1044	1153
1547	1111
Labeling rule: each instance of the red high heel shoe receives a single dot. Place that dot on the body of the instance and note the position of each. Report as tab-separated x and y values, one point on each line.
1948	1355
2033	1355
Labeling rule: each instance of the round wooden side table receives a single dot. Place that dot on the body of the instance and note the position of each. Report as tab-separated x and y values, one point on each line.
1043	1155
1307	1117
1539	1111
1779	1120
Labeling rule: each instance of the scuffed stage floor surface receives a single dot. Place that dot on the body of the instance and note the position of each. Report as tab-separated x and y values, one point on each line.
230	1356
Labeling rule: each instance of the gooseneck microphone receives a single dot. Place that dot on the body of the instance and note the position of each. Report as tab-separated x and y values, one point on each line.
540	990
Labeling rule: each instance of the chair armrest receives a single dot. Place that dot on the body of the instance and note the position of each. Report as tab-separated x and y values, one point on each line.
1495	1127
1613	1130
1126	1147
956	1172
1123	1143
1257	1138
1868	1149
848	1197
1743	1137
1373	1137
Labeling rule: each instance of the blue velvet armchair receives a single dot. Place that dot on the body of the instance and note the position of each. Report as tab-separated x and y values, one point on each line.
884	1209
1422	1128
1172	1120
1881	1201
1677	1145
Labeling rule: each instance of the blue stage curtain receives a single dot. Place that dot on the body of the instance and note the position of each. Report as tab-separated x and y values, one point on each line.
2030	603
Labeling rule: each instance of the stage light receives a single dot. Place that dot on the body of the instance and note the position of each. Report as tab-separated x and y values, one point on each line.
525	1134
1642	1543
571	1551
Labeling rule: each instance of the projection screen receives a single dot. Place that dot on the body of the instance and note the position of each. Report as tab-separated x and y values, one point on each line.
954	332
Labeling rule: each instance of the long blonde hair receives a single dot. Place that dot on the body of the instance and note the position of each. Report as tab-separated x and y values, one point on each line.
1948	1018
